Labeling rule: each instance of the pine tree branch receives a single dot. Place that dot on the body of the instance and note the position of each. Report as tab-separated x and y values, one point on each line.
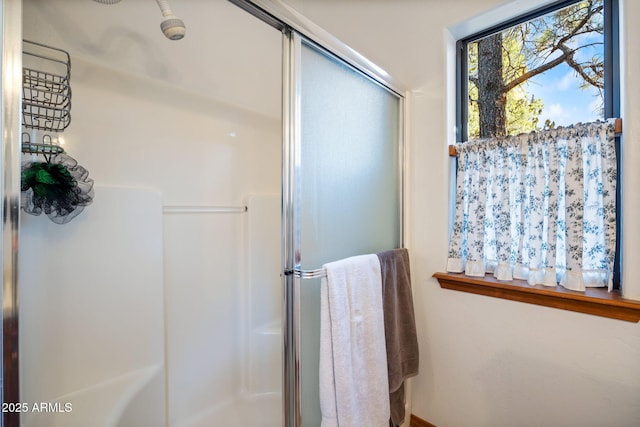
580	70
566	56
532	73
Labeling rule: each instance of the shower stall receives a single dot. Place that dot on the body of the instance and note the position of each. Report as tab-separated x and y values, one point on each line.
227	171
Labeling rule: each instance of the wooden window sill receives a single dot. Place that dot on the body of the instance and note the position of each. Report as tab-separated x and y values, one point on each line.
596	301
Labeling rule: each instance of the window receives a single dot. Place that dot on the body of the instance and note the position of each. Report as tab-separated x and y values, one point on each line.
553	67
538	74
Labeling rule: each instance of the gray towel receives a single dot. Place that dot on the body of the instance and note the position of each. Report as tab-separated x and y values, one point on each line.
399	327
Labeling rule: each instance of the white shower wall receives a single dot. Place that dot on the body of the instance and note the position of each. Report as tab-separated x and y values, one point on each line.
132	132
91	314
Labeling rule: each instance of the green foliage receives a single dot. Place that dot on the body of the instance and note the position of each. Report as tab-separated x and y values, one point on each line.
534	47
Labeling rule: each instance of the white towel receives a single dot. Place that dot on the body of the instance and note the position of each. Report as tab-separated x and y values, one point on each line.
354	385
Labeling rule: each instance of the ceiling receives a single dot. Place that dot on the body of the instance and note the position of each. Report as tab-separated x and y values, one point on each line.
226	54
233	57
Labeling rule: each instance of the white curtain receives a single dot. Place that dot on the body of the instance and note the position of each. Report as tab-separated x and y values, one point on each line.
539	207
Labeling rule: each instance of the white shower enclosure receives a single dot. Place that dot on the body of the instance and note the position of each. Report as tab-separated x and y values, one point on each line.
187	293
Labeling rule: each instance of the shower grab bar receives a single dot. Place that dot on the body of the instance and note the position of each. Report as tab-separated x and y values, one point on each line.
204	209
306	274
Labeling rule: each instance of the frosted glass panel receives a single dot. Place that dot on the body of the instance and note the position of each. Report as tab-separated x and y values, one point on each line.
349	163
349	186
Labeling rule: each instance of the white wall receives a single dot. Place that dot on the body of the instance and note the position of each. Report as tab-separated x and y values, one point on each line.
500	363
485	361
91	313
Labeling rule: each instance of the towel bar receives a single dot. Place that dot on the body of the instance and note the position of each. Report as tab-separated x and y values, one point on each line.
306	274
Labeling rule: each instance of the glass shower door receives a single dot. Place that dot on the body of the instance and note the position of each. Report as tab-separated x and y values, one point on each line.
348	198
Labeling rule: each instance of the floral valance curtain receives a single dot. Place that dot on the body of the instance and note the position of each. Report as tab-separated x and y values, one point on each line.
539	207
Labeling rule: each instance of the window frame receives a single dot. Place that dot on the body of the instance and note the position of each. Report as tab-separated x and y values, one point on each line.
595	301
611	59
611	92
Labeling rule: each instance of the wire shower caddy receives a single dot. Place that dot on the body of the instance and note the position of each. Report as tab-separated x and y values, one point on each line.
46	92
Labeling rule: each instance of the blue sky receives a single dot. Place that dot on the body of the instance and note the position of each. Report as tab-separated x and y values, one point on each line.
559	88
564	101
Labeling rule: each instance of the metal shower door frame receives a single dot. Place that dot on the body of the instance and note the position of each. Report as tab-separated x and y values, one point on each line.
10	107
292	274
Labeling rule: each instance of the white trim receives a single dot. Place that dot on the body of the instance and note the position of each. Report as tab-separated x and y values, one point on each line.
279	15
630	156
495	16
